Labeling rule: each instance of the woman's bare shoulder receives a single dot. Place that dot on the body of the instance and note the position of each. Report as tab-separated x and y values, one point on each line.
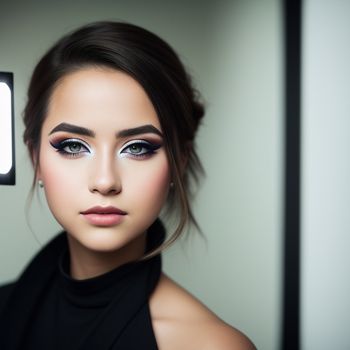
180	321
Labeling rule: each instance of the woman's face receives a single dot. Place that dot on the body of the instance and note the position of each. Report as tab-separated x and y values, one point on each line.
102	160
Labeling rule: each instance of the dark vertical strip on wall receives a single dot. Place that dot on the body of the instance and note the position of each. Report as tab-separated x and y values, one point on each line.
291	277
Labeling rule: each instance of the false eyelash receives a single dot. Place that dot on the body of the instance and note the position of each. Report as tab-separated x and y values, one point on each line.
150	149
60	145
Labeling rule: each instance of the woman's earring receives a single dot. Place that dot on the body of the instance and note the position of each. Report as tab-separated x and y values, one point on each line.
171	184
41	183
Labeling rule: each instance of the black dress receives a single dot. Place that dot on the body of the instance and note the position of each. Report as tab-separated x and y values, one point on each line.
47	309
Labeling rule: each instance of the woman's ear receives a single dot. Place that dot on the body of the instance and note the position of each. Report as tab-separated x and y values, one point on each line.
34	157
32	153
37	174
185	157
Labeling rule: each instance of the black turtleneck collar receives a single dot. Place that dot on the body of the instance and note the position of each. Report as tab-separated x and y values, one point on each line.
118	298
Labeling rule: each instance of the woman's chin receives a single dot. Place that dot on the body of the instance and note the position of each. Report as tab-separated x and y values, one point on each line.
103	240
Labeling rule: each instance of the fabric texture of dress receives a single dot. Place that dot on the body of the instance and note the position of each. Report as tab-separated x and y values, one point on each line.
47	309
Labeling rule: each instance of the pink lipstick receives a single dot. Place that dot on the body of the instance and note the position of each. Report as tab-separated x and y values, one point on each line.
104	216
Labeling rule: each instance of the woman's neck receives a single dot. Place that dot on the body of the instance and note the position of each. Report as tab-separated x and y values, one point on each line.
85	263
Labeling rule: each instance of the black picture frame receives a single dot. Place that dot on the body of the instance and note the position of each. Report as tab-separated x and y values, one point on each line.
10	177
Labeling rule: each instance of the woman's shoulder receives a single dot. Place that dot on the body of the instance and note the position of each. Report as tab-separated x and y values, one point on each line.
180	321
5	291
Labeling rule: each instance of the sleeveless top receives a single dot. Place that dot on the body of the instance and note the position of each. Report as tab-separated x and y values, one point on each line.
47	309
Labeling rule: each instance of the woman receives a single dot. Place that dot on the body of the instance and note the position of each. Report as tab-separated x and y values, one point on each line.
110	124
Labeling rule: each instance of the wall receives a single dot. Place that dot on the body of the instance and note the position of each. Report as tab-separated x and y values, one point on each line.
326	174
233	50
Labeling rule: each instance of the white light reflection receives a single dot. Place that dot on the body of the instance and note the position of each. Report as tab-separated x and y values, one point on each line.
5	129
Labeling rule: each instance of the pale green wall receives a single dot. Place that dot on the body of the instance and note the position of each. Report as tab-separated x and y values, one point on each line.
233	50
326	172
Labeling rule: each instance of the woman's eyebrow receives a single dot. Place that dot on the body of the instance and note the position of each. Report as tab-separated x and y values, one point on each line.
144	129
75	129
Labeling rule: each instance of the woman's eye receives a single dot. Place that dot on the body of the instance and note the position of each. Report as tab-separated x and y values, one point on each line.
70	147
73	147
139	149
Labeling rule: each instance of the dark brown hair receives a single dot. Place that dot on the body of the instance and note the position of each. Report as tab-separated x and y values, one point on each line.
157	68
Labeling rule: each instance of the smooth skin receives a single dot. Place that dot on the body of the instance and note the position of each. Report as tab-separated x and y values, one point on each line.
110	161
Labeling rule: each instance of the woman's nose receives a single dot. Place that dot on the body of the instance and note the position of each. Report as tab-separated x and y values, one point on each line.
104	177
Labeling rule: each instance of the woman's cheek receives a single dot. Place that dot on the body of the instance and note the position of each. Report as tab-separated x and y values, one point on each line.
151	184
59	182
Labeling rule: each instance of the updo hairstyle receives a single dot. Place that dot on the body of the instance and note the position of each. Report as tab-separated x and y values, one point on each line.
156	67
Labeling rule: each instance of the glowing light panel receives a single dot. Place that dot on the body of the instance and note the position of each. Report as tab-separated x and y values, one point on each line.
5	129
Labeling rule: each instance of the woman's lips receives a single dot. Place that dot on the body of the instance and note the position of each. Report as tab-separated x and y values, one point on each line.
104	216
